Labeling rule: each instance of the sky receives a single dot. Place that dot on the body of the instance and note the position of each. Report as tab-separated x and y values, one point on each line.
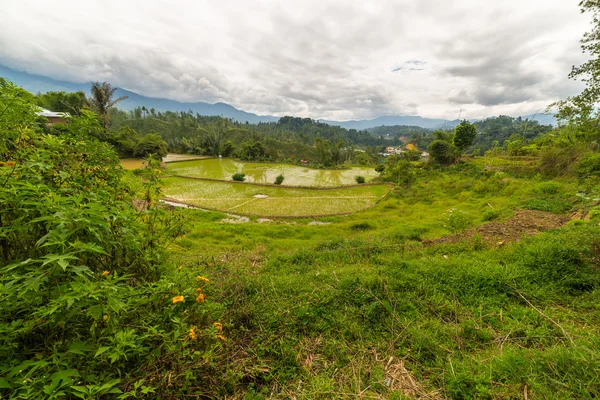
324	59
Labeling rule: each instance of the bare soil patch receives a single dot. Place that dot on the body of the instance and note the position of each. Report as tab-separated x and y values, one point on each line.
523	223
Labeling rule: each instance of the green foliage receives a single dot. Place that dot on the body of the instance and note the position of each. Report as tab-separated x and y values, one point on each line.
102	100
279	179
238	176
456	220
490	215
359	179
151	144
380	168
71	103
464	135
442	152
589	166
85	291
399	170
551	188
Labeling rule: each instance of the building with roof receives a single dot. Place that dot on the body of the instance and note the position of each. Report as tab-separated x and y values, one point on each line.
53	116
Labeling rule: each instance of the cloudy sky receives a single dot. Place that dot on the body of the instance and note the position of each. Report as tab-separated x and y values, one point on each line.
333	59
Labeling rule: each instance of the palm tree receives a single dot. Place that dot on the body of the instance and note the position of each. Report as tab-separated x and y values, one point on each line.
102	100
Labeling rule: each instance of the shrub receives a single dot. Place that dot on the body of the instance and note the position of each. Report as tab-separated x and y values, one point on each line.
456	220
442	152
380	168
279	179
548	187
240	177
360	179
589	166
490	215
361	226
549	205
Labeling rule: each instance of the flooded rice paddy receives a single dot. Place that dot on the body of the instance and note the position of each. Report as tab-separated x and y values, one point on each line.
294	175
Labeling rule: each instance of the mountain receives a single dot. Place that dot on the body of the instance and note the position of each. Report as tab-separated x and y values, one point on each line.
427	123
39	83
390	120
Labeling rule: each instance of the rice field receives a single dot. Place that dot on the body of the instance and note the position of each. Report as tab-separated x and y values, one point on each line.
294	175
271	201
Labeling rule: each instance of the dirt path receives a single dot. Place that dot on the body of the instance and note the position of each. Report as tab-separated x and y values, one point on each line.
523	223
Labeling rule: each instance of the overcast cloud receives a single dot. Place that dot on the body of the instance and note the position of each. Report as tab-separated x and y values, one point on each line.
332	59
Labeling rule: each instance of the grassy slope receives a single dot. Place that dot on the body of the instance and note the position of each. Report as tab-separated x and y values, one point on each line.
317	311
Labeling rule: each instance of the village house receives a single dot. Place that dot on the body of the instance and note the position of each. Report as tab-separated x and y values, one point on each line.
54	117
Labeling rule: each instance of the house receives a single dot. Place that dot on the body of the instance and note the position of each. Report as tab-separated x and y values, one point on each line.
53	117
424	154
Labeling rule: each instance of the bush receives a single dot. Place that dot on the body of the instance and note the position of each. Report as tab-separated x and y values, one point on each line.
240	177
86	289
548	187
490	215
279	179
361	226
456	220
380	168
589	166
360	179
549	205
442	152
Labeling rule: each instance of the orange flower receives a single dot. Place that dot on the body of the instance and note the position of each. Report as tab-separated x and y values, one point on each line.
219	326
181	266
199	290
221	337
193	333
200	298
178	299
203	278
105	273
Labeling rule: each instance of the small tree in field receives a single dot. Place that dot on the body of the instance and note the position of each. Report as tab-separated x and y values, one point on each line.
464	136
442	152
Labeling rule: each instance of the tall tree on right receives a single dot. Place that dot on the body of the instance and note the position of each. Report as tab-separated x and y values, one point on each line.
582	109
102	100
464	136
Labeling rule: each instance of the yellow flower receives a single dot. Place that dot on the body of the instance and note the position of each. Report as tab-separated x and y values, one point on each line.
200	298
105	273
221	337
178	299
181	266
219	326
193	333
50	195
106	317
203	278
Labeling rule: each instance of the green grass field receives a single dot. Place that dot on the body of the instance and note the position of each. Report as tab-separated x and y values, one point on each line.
363	307
281	201
266	173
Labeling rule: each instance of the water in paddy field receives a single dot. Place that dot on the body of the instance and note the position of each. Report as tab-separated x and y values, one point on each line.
266	172
133	163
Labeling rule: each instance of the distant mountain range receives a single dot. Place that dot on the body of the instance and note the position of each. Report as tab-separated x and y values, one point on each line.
39	83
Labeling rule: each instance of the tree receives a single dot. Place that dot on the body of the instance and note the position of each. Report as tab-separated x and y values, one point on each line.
101	100
464	136
442	151
581	109
71	103
152	143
